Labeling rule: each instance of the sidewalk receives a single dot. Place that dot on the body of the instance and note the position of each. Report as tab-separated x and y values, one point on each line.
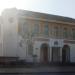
38	69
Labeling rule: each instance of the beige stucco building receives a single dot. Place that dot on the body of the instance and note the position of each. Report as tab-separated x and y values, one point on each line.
28	35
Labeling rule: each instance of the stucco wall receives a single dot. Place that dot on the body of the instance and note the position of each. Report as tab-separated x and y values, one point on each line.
9	33
72	52
11	40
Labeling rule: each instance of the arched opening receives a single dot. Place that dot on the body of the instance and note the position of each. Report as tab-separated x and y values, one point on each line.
44	53
65	54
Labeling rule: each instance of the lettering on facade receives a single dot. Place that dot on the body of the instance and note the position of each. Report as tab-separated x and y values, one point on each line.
41	39
56	43
69	41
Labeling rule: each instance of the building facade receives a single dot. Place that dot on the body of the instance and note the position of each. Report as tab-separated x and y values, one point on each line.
39	37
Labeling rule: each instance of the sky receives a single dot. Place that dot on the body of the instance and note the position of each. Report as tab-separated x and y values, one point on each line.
56	7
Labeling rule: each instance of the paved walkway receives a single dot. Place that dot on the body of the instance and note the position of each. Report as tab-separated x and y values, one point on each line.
38	69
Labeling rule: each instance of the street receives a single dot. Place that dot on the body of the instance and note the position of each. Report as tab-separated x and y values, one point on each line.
66	73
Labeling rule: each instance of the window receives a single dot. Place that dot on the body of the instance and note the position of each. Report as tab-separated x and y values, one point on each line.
73	34
30	48
35	29
65	33
25	27
25	30
56	31
46	29
20	28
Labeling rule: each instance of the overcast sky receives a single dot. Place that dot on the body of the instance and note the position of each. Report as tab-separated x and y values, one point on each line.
57	7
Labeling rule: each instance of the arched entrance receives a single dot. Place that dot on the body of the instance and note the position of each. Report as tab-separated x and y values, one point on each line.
44	53
65	54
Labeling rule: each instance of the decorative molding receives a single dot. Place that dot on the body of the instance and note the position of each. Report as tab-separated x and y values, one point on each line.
53	21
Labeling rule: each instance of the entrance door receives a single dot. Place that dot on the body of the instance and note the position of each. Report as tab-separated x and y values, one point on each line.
55	54
44	53
66	54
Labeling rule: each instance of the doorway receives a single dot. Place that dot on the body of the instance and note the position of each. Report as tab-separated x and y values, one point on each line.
65	54
55	54
44	53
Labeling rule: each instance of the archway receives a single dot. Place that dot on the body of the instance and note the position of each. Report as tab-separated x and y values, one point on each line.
44	53
65	54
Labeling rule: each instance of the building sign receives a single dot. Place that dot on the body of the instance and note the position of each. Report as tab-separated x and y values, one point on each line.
56	43
41	39
69	41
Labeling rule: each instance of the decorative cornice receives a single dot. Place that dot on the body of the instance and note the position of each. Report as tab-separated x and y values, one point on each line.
53	21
